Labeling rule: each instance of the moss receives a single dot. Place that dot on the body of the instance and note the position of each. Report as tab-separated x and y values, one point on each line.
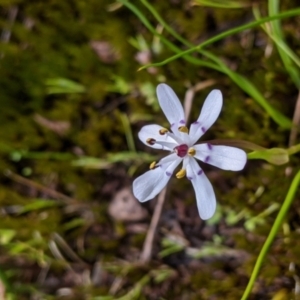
53	40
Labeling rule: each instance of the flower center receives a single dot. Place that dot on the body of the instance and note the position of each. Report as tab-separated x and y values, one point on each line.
181	150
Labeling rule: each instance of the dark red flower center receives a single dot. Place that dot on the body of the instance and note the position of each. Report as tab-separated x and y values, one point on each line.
181	150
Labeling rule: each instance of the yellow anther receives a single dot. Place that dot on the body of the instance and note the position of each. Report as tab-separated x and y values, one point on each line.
152	165
181	174
163	131
191	152
183	129
150	141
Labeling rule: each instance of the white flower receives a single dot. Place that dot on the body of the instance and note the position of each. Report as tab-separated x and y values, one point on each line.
181	143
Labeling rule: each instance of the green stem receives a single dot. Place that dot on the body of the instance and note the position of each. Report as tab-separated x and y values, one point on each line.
278	221
286	53
294	149
128	132
216	63
173	47
222	35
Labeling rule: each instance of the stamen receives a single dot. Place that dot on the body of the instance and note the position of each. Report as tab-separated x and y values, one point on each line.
183	129
153	165
150	141
163	131
181	174
191	152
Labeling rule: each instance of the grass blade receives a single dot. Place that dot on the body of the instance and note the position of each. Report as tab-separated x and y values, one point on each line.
278	221
218	65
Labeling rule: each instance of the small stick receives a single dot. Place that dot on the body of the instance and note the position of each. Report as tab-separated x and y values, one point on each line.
147	247
39	187
190	93
12	14
296	122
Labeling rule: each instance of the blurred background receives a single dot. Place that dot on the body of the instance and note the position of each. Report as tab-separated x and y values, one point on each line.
71	105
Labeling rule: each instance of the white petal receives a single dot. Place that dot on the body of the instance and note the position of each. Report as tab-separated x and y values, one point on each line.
185	162
152	131
223	157
209	113
165	161
186	138
205	196
171	106
148	185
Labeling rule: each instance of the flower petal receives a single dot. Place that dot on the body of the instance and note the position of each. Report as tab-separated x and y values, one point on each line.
223	157
166	161
152	131
148	185
209	113
205	196
171	106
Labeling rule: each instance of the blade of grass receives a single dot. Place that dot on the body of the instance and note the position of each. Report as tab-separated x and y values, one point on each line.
39	204
277	37
286	53
8	286
240	80
64	86
288	57
21	154
286	14
171	46
127	131
111	158
275	228
294	149
251	90
221	3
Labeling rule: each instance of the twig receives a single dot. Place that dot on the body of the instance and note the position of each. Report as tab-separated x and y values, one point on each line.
6	32
116	285
67	249
296	122
147	248
190	93
39	187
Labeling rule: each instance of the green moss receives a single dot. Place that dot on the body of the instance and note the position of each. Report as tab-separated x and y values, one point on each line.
53	40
